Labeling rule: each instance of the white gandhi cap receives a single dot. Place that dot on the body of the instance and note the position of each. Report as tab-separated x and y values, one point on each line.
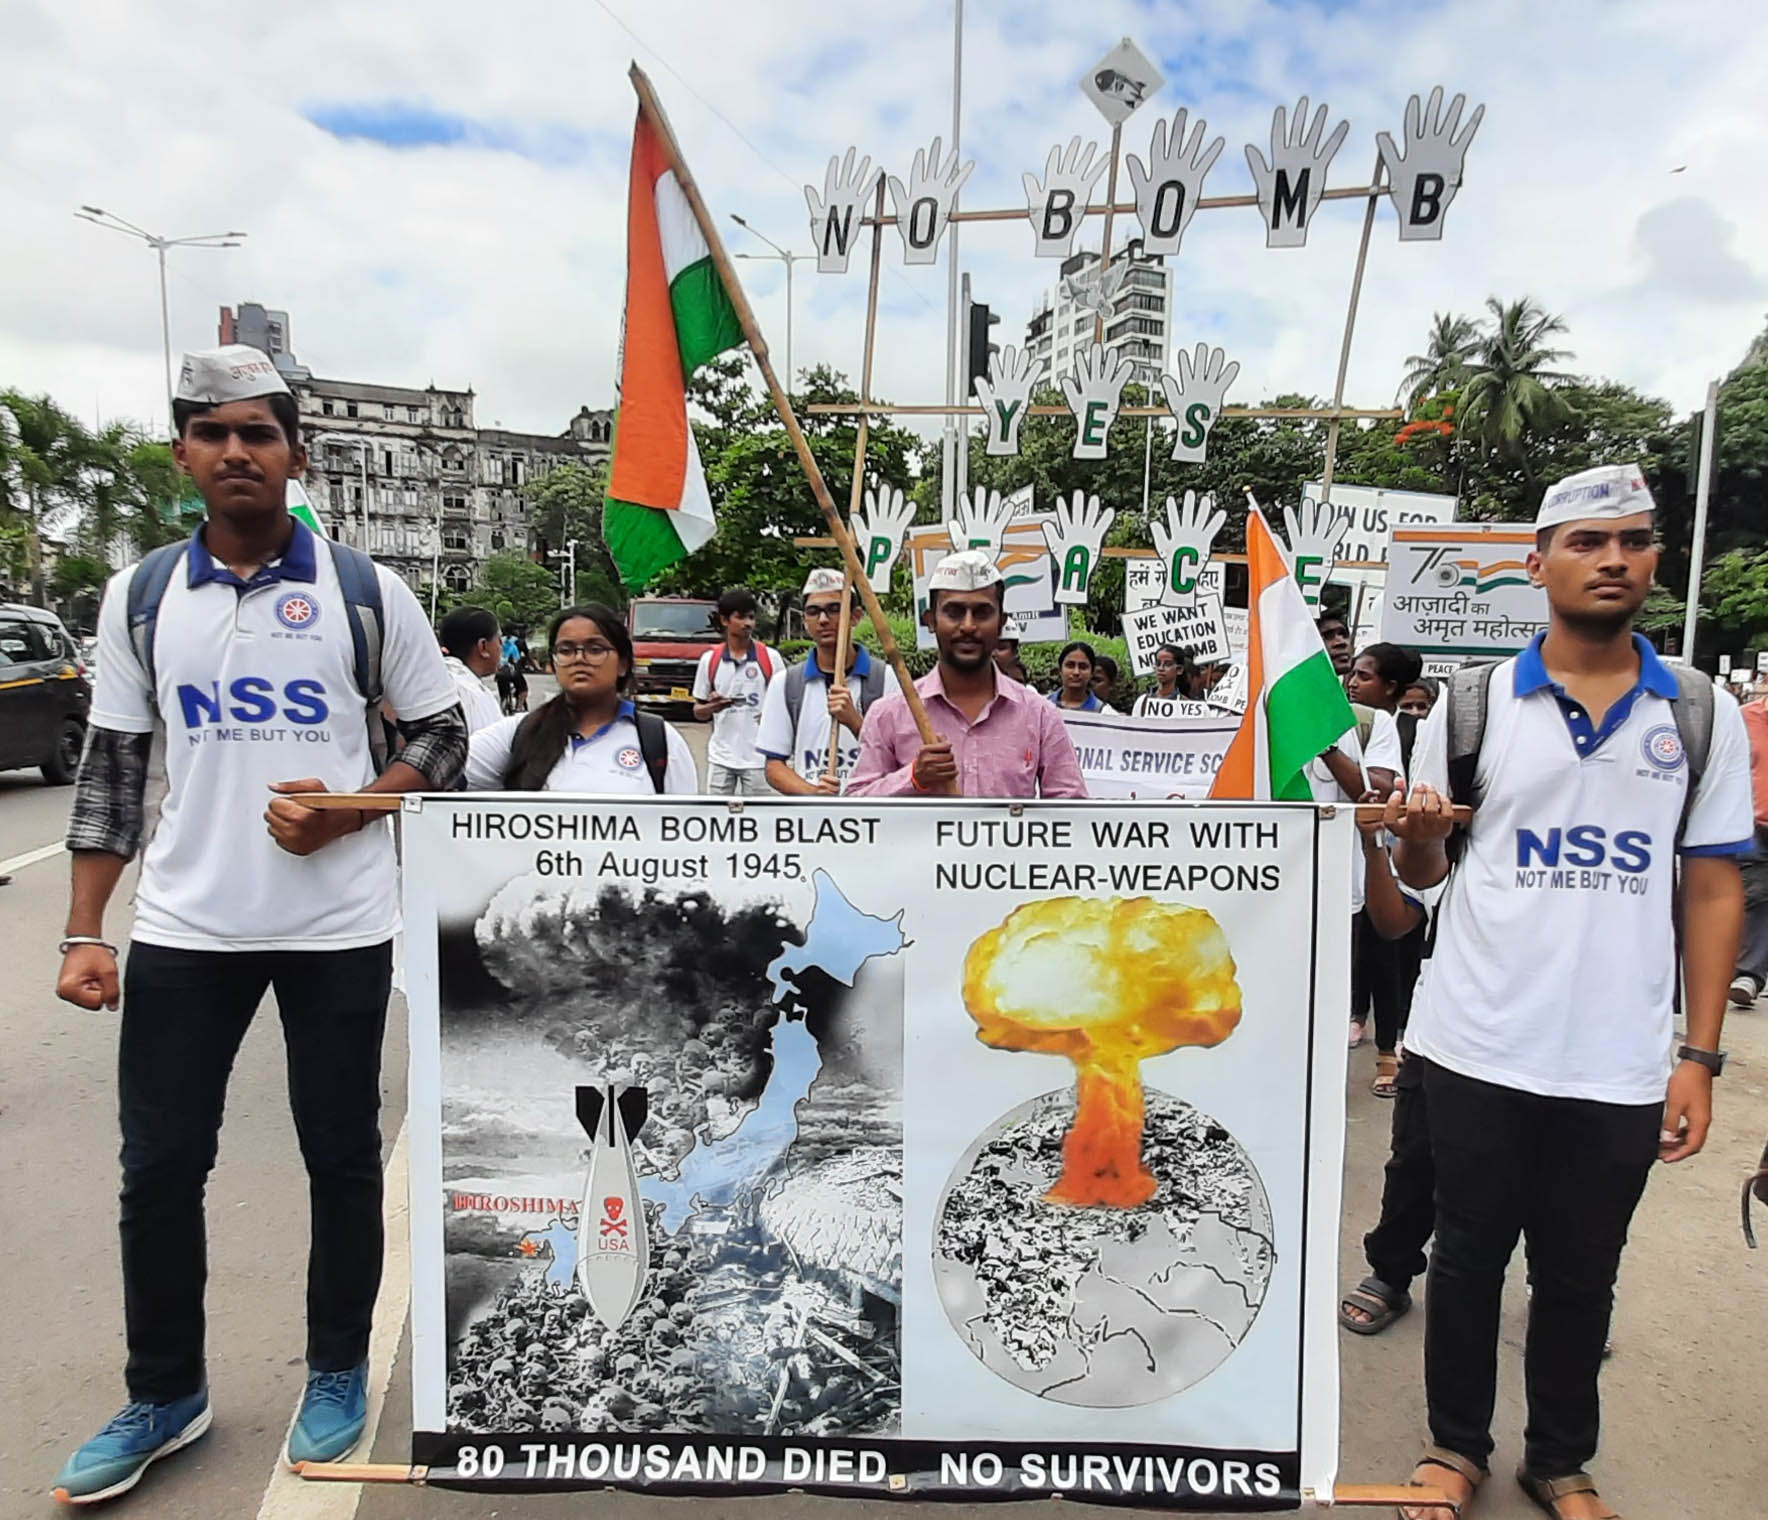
1608	491
238	372
968	570
822	580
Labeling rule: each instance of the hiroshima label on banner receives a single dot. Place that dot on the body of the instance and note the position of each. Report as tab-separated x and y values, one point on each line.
1462	589
867	1148
1151	754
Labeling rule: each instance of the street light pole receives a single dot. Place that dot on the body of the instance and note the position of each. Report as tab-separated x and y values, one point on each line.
111	222
782	256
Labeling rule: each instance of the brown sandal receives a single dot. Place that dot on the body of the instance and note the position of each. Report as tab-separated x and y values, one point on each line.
1449	1461
1547	1492
1387	1068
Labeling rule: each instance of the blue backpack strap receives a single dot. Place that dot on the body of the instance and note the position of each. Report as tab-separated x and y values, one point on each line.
362	599
147	587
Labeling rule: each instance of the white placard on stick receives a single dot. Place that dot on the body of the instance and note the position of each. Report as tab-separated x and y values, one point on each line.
1121	82
1462	589
1198	626
1374	512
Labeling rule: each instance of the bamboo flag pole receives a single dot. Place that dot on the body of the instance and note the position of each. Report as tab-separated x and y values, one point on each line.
649	104
839	676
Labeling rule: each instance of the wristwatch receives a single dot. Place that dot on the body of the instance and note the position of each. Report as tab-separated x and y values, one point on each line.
1713	1060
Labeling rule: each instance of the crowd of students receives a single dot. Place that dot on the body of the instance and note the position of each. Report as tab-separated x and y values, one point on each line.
1536	1088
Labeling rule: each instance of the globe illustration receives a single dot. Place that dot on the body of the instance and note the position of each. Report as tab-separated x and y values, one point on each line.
1106	1307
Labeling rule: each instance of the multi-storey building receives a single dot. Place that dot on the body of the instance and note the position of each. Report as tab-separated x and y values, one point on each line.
1140	324
408	475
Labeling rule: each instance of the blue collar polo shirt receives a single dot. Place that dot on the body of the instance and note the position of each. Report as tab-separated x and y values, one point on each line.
255	682
1555	963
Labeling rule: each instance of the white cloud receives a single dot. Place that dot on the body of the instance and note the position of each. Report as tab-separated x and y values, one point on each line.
472	264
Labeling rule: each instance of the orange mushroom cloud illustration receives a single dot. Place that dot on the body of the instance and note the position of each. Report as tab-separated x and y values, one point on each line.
1107	982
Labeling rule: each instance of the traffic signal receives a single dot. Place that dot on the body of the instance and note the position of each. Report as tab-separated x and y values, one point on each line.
977	347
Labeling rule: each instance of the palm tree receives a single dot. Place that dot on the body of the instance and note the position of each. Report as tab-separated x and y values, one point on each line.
1443	364
1508	393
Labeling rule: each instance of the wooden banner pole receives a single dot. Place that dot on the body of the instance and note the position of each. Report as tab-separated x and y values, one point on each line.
653	109
838	677
1051	409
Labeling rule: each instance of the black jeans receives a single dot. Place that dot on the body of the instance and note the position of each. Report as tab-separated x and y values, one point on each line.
184	1015
1384	973
1565	1174
1394	1249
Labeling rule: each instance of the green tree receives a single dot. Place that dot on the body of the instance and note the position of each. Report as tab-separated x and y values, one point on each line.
1508	394
522	594
47	460
1443	364
565	505
759	492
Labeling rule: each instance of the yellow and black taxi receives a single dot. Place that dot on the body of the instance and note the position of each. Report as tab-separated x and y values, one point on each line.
44	695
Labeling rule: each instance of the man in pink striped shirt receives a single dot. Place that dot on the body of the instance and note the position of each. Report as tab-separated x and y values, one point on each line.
996	737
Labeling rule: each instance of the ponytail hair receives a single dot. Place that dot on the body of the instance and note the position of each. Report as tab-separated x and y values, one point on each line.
1398	666
545	734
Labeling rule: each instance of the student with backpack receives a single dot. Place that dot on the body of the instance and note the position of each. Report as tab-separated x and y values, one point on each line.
262	653
729	684
589	740
802	705
1612	800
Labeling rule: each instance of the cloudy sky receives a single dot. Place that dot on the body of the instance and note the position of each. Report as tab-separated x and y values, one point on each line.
436	191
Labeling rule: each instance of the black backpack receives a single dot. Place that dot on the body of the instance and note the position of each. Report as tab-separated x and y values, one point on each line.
871	687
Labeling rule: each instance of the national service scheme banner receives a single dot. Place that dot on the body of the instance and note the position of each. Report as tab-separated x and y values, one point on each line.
920	1149
1170	749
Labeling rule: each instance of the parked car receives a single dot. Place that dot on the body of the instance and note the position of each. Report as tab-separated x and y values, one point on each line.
44	694
669	634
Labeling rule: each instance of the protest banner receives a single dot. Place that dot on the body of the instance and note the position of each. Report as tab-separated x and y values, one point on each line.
1167	749
745	1156
1198	626
1462	590
1375	512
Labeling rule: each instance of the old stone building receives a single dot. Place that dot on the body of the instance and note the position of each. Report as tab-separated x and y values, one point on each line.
409	475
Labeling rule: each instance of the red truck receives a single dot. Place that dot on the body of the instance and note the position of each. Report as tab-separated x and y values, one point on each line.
669	634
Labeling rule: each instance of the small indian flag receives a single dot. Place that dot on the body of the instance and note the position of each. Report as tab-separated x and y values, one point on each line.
678	316
1296	708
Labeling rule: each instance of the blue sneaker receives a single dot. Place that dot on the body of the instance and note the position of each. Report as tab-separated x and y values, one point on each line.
333	1413
113	1461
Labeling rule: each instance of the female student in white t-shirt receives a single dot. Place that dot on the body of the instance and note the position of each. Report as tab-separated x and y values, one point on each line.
585	741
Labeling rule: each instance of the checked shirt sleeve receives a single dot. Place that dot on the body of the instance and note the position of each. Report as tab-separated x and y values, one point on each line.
108	812
436	746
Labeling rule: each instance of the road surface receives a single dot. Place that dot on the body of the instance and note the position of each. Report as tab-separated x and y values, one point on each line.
1684	1393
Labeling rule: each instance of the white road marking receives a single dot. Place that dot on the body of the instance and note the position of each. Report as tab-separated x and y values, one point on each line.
288	1497
30	858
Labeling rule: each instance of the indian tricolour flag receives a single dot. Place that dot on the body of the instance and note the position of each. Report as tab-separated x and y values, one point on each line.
1295	707
678	316
300	506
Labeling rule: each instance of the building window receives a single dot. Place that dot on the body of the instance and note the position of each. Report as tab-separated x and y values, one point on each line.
326	406
454	503
496	543
349	408
457	540
412	414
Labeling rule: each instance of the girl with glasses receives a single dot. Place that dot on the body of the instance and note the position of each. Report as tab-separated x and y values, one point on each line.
589	740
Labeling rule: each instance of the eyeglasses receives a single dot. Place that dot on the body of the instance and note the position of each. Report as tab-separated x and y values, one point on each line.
595	649
822	612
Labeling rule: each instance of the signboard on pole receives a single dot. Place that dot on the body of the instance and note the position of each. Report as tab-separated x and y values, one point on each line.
1724	664
739	1163
1144	581
1375	511
1462	589
1198	626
